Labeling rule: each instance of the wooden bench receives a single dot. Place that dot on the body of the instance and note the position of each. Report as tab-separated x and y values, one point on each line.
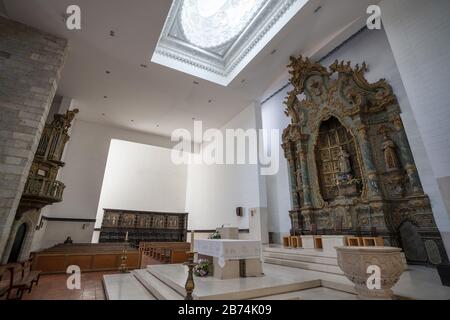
89	257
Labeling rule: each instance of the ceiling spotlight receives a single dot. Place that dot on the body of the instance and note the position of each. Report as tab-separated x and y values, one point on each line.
112	33
108	72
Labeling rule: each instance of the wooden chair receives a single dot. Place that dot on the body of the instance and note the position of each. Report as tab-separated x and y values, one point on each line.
29	277
12	287
296	241
318	242
373	241
354	241
287	242
6	281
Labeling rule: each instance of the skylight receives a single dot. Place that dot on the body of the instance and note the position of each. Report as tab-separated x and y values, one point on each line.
215	39
211	23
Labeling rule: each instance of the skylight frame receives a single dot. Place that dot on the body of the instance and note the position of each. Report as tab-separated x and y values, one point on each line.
221	65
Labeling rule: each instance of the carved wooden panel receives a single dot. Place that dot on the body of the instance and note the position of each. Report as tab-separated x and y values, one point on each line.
142	226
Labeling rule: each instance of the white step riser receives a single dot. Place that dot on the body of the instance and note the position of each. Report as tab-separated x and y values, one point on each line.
303	252
301	258
159	289
305	265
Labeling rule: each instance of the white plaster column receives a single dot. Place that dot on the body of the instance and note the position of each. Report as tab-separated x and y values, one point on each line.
419	34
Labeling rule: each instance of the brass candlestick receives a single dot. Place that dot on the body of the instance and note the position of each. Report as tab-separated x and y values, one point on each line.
190	285
123	268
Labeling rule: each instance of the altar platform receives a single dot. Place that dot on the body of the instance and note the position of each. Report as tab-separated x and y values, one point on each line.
166	282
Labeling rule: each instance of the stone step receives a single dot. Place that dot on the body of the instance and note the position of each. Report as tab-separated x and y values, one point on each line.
303	252
305	265
301	257
158	288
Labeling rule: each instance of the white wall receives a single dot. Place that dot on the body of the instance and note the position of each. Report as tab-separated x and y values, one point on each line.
214	191
419	34
85	156
55	232
142	178
372	47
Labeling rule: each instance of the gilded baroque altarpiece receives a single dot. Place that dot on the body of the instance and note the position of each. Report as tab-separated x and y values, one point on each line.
351	167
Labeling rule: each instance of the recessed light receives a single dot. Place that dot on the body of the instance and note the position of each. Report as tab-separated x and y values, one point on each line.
108	72
210	100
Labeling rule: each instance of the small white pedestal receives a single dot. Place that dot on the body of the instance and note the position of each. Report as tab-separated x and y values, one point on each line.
329	243
229	271
308	242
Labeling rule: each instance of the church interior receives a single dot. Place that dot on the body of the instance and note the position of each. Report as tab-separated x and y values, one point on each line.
224	150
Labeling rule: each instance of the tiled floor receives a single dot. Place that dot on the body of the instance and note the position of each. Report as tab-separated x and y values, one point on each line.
54	287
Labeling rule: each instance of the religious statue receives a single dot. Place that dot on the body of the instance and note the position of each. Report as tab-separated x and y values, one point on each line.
390	155
344	162
68	240
291	111
315	87
298	173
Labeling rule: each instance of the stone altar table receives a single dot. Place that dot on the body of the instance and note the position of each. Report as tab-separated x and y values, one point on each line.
232	258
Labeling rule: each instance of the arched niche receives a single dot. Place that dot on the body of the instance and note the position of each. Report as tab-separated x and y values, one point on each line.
18	243
333	137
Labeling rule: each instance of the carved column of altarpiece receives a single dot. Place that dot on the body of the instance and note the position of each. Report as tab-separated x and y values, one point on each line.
350	164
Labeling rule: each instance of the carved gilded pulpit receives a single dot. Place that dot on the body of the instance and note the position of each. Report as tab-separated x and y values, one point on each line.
350	164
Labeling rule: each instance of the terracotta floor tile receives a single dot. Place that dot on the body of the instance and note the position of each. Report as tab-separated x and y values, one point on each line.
54	287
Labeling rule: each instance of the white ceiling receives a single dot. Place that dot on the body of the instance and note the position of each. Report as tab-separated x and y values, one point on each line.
157	98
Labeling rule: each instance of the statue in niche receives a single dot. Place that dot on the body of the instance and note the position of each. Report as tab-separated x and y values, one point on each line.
345	168
291	109
298	174
315	87
390	155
